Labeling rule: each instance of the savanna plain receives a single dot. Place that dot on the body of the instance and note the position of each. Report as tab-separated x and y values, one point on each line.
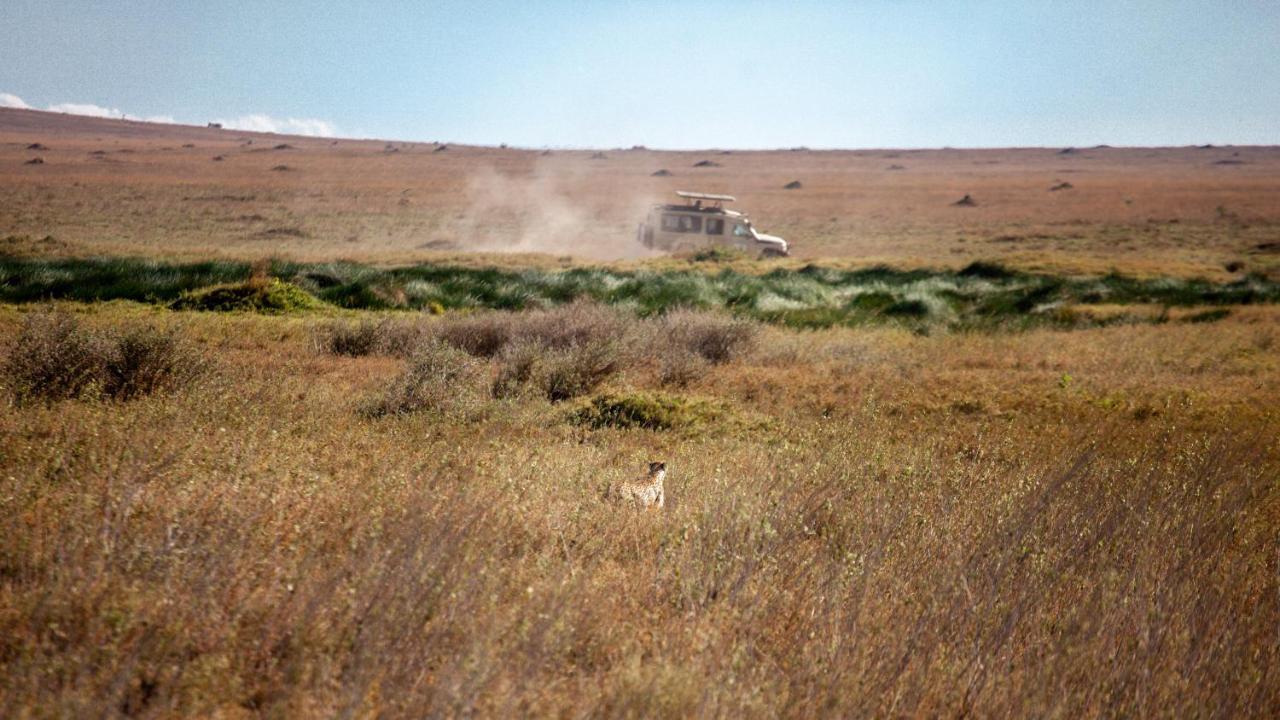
289	433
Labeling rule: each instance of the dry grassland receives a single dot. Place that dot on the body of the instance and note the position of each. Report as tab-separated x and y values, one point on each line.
1041	523
111	187
390	514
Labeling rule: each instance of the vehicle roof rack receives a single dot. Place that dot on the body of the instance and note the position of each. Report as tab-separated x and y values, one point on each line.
704	196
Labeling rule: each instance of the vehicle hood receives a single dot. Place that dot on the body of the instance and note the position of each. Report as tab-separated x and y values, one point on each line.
773	240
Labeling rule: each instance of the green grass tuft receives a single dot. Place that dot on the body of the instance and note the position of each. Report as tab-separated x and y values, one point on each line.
648	411
270	296
982	295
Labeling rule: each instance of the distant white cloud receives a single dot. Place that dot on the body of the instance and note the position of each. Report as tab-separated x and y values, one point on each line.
92	110
255	122
13	101
85	109
285	126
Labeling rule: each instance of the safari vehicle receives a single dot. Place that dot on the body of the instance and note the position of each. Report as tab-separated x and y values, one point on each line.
701	222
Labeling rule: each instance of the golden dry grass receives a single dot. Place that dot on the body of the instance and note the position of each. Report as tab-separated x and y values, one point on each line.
1035	524
863	522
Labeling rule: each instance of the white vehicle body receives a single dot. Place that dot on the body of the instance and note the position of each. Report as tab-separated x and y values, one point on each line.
704	222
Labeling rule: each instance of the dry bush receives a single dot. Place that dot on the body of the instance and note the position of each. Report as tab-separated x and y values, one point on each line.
482	335
370	337
557	375
143	360
679	367
55	358
579	369
354	339
579	323
440	379
715	337
519	367
567	351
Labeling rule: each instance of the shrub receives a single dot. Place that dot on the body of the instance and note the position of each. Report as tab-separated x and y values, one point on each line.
519	368
564	352
716	338
680	367
56	358
1207	316
986	270
352	339
908	309
577	323
646	410
369	337
579	369
482	335
270	295
440	378
53	358
142	360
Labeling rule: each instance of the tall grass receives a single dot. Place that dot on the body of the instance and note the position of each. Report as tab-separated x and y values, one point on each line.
837	574
254	545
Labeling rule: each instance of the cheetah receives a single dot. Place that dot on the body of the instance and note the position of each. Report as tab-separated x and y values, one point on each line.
646	491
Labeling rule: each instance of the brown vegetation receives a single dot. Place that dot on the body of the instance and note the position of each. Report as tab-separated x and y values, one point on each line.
53	358
1043	523
1137	210
402	515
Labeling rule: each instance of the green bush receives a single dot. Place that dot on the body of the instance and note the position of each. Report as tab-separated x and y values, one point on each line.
1207	316
908	309
270	295
983	295
872	302
646	410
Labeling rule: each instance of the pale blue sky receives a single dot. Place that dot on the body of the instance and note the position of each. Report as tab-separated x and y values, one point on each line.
672	75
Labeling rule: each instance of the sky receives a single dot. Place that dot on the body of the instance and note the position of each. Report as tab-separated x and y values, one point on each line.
665	75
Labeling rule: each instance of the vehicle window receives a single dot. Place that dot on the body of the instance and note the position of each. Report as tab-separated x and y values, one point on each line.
740	231
715	226
681	224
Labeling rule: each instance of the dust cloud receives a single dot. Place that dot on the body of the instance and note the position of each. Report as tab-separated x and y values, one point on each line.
553	209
